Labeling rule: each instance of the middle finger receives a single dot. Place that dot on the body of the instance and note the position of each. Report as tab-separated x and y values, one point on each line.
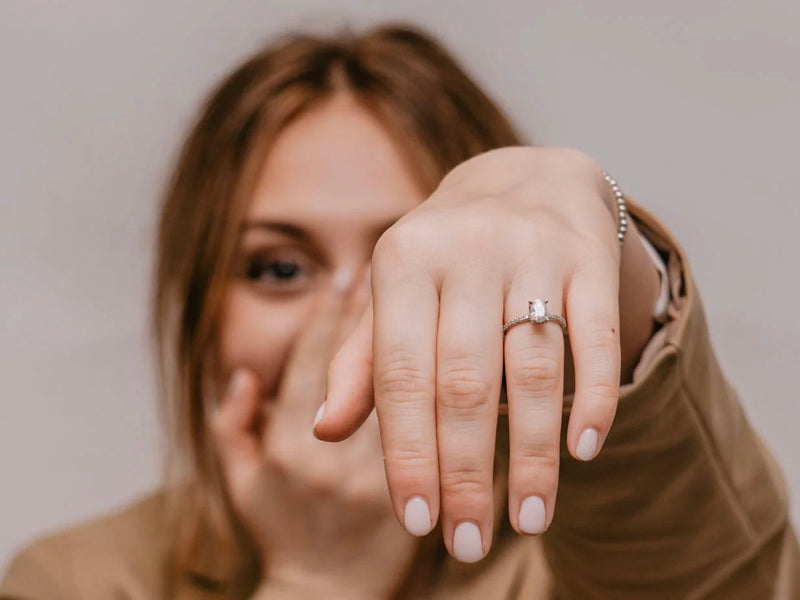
405	304
469	362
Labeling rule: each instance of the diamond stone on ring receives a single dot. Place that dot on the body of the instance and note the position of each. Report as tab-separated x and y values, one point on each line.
537	314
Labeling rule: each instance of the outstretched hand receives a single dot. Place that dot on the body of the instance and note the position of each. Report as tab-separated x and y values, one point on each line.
503	228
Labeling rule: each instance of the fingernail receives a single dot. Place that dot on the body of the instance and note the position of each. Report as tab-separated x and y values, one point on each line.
236	383
587	444
467	543
417	516
319	415
532	517
342	281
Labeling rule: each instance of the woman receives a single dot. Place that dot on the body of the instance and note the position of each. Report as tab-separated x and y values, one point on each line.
322	163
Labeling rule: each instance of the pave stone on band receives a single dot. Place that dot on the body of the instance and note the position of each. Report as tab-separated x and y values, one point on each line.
537	314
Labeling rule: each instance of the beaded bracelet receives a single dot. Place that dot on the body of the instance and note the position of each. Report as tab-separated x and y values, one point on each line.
622	209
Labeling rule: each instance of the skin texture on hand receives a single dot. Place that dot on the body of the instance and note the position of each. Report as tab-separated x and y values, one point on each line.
502	228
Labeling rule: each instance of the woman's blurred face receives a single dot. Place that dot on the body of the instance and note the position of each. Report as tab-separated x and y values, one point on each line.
332	183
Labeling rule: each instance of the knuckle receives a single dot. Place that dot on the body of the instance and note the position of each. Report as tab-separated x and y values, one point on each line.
468	483
412	459
463	388
537	374
402	377
412	467
401	239
538	458
602	391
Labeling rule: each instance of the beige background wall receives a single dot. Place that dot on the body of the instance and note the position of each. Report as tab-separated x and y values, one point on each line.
691	104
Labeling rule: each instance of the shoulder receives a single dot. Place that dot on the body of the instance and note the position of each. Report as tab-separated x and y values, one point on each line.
114	553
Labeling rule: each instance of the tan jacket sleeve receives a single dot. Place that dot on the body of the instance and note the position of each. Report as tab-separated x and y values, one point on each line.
117	555
37	573
684	501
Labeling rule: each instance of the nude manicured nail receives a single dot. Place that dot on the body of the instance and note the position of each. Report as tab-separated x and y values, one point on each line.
587	444
417	516
343	281
319	415
467	543
532	516
236	383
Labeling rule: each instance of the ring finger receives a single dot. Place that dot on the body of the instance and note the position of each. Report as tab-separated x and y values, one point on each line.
534	367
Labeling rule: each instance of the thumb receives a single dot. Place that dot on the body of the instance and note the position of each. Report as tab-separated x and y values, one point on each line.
236	429
350	396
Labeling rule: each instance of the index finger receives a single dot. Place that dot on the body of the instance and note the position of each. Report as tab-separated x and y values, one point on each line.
303	381
405	307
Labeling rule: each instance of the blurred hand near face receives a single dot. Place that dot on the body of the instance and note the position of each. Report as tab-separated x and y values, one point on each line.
319	513
502	228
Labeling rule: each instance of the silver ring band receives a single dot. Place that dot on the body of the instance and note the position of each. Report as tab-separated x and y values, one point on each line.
537	314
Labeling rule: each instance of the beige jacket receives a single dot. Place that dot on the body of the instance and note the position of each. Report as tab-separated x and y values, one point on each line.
684	502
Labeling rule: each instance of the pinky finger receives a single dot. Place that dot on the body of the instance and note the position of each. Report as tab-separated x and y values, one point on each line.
593	317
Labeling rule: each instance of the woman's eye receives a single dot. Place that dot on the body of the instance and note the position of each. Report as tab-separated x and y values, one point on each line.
278	274
277	269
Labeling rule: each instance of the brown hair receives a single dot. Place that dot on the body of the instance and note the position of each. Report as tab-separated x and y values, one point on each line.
434	111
